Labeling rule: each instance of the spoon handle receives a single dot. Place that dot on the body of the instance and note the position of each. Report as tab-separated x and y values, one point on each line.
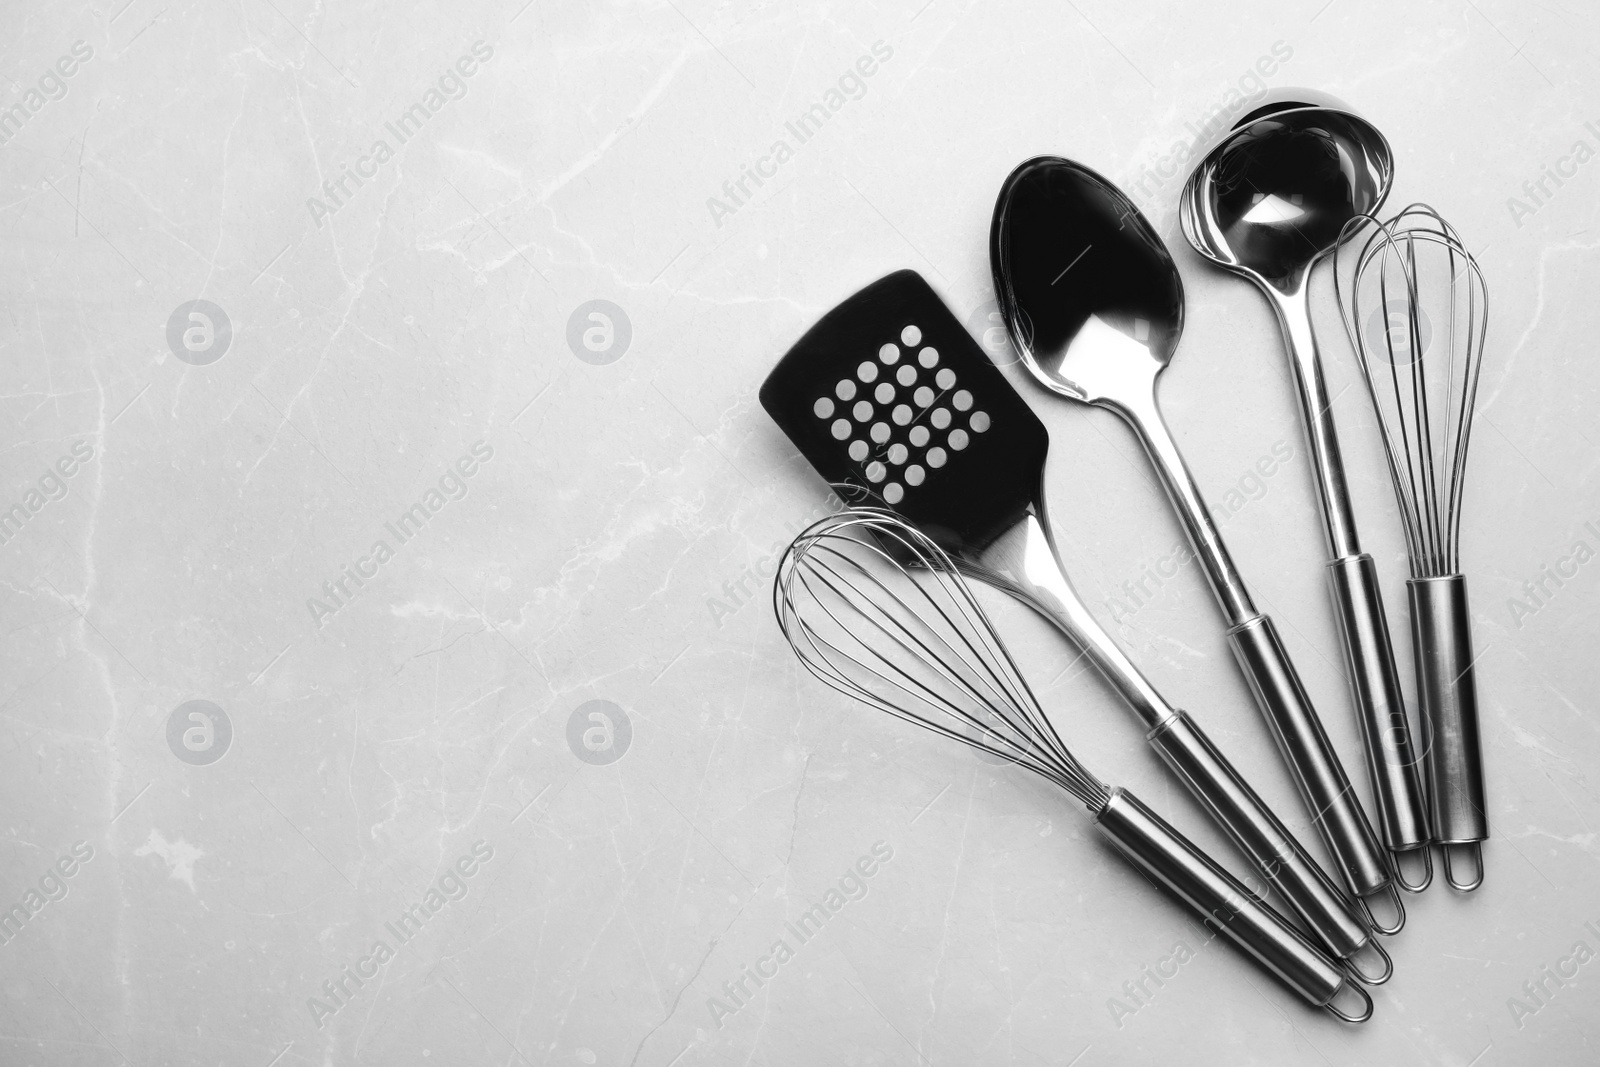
1305	747
1273	681
1137	406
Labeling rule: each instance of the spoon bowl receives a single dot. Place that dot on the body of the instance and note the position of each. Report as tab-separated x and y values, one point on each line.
1083	281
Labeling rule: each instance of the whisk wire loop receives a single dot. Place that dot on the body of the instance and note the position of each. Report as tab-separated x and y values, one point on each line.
1426	390
900	629
878	611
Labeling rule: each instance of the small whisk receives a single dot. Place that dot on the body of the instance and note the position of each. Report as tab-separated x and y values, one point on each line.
878	611
1416	309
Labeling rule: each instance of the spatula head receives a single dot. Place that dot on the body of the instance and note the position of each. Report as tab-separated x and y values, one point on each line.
894	404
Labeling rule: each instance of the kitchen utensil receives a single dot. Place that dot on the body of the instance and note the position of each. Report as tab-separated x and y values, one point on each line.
877	611
1268	203
892	401
1416	309
1094	305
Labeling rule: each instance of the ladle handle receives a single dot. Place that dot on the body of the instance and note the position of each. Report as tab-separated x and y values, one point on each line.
1380	706
1369	656
1304	746
1194	879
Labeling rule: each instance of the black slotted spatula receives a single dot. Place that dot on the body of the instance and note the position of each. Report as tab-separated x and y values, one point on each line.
883	395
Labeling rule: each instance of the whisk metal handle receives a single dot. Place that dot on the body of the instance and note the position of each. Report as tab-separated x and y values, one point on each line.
1442	639
1304	746
1258	833
1196	880
1380	705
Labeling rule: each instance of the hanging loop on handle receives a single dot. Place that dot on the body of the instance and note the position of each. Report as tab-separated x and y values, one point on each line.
1426	855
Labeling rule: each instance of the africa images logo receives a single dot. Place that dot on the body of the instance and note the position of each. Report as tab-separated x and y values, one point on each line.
599	732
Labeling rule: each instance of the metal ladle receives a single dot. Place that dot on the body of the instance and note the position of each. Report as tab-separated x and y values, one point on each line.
1268	203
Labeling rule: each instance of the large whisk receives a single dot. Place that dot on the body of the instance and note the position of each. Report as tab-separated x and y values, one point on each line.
1416	308
878	611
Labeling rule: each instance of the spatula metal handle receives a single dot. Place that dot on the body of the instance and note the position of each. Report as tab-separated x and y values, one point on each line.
1196	881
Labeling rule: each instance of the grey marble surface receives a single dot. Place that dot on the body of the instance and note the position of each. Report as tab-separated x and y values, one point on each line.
259	742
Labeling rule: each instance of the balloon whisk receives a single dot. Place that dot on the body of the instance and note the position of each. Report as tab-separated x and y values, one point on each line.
1416	308
877	610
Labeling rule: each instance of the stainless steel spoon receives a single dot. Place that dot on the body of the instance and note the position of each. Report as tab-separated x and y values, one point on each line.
1094	304
1268	203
